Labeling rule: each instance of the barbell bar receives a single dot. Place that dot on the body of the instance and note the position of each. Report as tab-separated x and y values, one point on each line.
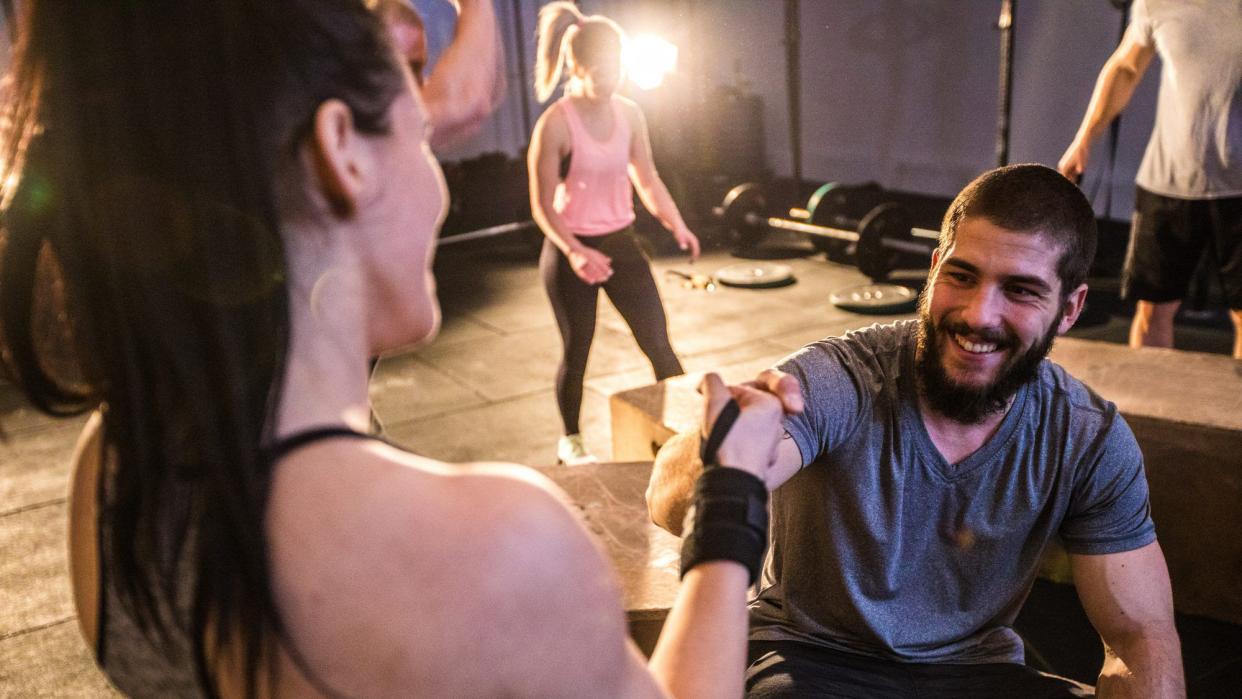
878	236
487	232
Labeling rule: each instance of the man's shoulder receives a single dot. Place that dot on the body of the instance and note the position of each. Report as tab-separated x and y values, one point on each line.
878	344
1070	411
1058	385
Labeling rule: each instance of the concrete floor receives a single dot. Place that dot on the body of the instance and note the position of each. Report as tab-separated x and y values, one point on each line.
482	390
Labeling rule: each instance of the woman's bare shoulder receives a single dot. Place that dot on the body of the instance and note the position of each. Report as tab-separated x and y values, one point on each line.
467	579
552	118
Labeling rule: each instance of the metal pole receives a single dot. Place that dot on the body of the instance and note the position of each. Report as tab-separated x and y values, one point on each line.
793	64
1005	25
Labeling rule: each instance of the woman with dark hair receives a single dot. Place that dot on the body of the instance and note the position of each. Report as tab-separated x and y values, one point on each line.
585	151
213	207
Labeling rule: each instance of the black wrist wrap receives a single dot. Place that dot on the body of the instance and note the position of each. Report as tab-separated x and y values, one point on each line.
730	509
730	521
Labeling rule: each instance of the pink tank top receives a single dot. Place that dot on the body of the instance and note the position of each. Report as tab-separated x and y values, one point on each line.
596	196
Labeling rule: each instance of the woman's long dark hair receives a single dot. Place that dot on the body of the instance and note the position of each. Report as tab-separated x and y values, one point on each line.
145	148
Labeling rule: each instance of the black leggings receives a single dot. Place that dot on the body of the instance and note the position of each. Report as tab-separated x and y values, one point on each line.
631	289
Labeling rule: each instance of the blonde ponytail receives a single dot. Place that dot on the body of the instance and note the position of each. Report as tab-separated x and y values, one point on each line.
556	20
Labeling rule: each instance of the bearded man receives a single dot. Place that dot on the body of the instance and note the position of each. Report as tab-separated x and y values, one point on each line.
927	465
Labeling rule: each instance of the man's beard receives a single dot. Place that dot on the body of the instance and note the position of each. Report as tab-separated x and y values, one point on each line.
973	404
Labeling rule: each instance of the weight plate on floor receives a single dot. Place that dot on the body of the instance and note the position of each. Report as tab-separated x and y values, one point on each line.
756	275
875	299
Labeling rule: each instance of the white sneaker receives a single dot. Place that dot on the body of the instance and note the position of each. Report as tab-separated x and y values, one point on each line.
572	452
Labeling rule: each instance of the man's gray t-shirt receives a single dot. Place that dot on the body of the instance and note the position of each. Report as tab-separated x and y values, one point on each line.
1195	151
880	547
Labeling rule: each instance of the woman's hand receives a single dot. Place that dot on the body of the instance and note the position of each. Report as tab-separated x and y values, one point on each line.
688	241
751	444
591	266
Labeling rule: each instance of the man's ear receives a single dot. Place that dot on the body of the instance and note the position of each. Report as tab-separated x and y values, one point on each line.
340	159
1074	303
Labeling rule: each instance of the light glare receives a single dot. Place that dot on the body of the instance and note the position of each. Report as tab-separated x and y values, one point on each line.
648	58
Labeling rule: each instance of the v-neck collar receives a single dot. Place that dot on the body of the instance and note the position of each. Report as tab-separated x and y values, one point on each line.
912	417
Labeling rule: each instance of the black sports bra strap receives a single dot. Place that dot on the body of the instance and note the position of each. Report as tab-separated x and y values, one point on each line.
297	440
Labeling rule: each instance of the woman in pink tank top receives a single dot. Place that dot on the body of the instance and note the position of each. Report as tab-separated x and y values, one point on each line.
586	208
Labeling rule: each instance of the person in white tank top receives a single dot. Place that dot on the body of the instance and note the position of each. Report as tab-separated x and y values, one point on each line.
586	212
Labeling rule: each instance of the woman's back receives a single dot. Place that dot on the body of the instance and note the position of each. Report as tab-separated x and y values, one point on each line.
380	597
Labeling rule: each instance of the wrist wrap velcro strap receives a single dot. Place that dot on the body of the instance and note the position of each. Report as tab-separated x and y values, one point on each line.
720	429
730	520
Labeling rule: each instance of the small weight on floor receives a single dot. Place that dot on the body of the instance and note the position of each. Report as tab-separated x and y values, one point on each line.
875	299
756	275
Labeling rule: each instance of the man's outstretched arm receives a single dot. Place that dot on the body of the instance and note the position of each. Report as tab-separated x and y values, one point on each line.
1129	600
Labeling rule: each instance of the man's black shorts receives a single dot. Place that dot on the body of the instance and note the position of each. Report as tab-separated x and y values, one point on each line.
795	670
1167	238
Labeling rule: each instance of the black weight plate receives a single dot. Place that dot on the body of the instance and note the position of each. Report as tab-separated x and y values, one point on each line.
744	199
875	299
884	221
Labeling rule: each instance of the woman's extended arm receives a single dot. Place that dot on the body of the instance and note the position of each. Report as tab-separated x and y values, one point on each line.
650	187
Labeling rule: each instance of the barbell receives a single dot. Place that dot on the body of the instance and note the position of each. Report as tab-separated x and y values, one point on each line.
881	233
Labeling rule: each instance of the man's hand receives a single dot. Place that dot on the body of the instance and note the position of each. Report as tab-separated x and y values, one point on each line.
784	386
1074	163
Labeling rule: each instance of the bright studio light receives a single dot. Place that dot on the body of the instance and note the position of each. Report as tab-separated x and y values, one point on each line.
648	58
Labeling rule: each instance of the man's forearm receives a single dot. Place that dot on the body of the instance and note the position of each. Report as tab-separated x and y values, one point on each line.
1112	93
1147	665
673	476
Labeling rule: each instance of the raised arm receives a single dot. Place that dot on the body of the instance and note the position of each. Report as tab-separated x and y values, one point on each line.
651	190
462	89
1129	600
1113	88
548	144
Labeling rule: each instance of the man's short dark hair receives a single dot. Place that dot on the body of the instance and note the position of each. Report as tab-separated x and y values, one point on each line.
1036	199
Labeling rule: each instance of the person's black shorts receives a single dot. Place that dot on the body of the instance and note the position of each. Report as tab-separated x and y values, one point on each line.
1167	238
795	670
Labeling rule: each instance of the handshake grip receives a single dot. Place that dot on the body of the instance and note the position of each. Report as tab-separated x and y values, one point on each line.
729	520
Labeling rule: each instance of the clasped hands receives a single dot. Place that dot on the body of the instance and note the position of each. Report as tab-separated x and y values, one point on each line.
752	442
